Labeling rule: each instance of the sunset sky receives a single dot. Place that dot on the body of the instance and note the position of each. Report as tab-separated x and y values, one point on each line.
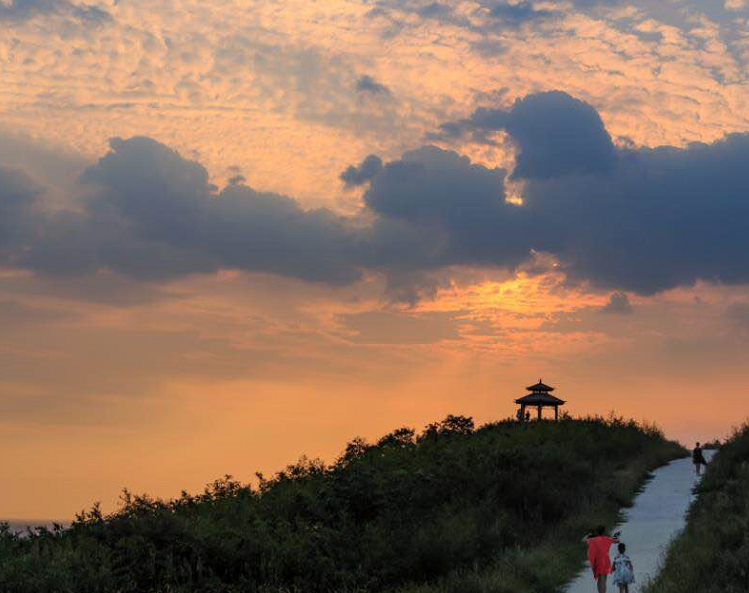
235	232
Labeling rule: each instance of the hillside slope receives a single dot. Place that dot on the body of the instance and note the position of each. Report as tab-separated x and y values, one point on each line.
501	508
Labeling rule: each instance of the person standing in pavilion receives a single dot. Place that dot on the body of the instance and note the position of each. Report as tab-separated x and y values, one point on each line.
599	545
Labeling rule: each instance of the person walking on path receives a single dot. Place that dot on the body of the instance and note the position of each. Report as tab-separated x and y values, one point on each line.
698	459
599	545
624	574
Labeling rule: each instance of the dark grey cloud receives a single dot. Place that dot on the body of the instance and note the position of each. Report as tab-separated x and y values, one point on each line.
618	304
592	3
427	9
364	172
424	184
555	134
434	208
167	202
367	84
660	218
23	10
623	219
154	215
50	164
641	220
517	14
18	222
484	17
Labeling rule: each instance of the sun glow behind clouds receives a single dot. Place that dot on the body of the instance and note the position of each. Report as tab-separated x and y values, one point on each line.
107	381
250	375
515	199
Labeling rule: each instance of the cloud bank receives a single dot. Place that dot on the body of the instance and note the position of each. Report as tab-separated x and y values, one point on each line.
23	10
641	220
555	135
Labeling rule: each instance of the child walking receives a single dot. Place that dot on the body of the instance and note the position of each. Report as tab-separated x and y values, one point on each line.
624	574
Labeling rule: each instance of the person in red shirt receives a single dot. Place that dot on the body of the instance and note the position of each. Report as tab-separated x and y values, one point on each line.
598	555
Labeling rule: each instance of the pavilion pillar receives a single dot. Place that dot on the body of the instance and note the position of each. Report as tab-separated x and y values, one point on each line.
556	412
539	412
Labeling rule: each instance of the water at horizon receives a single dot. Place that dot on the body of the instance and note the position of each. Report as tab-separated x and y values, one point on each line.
20	525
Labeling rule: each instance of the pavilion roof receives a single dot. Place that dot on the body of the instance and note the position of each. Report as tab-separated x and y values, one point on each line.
540	399
540	386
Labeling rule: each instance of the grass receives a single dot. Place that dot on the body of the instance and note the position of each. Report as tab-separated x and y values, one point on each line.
558	556
711	555
454	508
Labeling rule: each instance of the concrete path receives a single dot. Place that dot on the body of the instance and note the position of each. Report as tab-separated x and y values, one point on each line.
657	515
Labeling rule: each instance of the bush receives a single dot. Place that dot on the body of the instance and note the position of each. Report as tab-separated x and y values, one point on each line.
443	507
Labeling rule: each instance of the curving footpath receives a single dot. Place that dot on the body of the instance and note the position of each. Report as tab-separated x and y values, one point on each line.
657	515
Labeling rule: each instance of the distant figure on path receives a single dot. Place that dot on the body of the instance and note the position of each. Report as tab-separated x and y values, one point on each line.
527	416
599	545
698	459
624	573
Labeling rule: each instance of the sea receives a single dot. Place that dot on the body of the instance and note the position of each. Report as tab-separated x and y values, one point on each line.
22	527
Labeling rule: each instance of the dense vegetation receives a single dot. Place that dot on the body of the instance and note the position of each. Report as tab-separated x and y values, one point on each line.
712	553
501	508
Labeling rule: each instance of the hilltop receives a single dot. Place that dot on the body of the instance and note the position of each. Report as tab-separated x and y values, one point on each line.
498	508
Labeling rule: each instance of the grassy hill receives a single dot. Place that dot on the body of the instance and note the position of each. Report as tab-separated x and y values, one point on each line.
454	508
712	553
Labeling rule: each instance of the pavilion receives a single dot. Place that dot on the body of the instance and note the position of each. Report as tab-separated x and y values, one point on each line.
540	397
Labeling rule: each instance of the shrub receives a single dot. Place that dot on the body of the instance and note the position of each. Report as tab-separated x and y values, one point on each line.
444	506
